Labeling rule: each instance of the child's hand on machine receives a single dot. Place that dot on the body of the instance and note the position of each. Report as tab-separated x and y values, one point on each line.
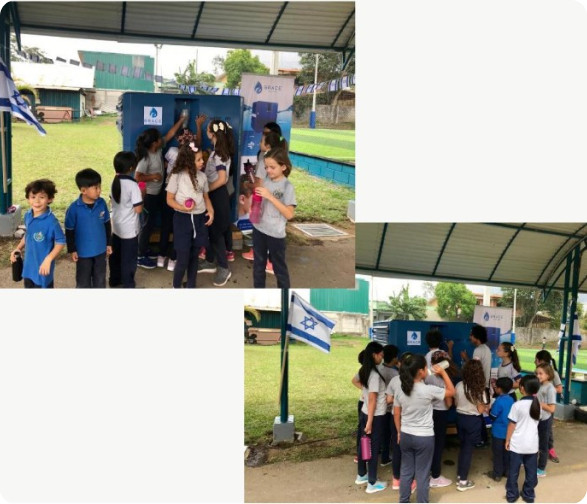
200	119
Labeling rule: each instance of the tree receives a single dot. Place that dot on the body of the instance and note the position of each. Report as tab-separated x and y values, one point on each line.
455	301
237	62
35	51
428	288
403	306
189	76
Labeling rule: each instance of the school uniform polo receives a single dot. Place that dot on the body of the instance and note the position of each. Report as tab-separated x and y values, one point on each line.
88	225
437	381
42	234
499	413
546	395
417	408
525	437
125	221
483	353
377	385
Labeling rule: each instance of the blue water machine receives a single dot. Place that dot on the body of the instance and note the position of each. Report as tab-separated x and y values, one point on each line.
140	111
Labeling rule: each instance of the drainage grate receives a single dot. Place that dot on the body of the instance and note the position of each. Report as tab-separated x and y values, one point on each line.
319	230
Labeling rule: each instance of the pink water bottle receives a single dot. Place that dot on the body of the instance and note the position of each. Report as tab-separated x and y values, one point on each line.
255	213
365	448
188	203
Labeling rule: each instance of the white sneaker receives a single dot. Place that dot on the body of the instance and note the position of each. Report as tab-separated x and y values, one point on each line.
439	482
170	265
160	261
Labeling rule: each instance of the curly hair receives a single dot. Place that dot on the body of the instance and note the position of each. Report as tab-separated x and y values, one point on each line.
474	381
186	161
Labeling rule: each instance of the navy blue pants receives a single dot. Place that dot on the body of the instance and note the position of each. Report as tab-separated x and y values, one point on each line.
396	451
123	261
386	443
544	430
439	417
153	208
376	438
469	436
189	234
166	225
501	458
90	272
530	480
416	461
29	284
276	247
216	249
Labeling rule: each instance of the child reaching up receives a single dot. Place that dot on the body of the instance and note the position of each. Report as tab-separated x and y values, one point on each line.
279	202
187	194
522	441
43	239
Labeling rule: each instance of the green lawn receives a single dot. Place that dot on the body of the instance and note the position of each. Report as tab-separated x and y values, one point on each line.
332	144
527	358
321	396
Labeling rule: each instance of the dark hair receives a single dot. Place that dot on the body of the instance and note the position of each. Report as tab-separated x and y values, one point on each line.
433	338
479	332
124	162
474	381
368	362
87	178
390	352
361	355
41	185
281	158
531	387
186	161
144	142
411	364
273	127
505	384
223	147
452	370
273	140
512	354
544	356
547	369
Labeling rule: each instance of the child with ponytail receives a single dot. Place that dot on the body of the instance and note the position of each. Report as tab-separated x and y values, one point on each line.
471	399
545	356
415	425
522	441
372	416
547	399
510	366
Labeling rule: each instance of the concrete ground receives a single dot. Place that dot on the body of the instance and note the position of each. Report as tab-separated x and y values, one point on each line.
325	263
332	480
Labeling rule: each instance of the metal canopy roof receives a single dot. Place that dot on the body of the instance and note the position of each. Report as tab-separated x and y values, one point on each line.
290	26
522	255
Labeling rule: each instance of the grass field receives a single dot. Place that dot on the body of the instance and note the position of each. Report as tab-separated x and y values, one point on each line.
332	144
321	396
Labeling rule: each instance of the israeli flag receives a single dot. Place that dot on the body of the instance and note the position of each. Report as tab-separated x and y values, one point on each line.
12	101
307	324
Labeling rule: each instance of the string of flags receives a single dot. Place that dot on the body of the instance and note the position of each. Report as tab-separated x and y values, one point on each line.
141	73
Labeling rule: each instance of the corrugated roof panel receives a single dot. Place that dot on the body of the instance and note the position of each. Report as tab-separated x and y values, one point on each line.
570	227
250	20
526	256
162	18
473	250
367	239
320	21
80	15
409	249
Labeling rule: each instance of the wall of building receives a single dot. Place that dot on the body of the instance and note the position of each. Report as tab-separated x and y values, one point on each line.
535	335
333	171
106	80
106	100
58	98
342	300
328	115
349	323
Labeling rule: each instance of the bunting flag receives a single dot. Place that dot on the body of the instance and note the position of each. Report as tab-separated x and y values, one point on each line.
112	68
99	66
148	76
124	71
60	59
137	72
73	62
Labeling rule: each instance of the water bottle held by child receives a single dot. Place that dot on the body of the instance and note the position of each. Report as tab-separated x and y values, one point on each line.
256	206
17	267
365	448
188	203
443	364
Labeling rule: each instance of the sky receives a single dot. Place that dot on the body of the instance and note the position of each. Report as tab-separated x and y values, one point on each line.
172	57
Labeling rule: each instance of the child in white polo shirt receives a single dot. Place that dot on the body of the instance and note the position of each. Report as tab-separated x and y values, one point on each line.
522	441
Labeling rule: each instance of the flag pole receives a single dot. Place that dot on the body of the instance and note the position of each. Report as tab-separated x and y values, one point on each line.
283	399
4	167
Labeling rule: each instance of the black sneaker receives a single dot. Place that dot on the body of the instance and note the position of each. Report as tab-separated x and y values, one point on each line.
222	276
206	267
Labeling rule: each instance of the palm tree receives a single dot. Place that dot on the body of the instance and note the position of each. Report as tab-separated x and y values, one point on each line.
404	307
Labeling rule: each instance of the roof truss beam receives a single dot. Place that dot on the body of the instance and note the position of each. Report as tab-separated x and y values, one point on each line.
342	28
123	20
281	11
443	247
381	245
505	251
199	16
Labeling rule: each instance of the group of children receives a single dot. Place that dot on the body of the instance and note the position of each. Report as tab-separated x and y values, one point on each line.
190	194
405	402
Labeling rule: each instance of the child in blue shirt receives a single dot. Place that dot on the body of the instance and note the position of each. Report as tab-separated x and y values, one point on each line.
43	239
88	231
499	414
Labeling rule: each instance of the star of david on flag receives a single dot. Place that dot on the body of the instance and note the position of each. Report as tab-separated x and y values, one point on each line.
11	100
308	325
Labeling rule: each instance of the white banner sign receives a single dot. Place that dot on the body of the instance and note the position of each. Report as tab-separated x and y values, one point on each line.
414	338
500	318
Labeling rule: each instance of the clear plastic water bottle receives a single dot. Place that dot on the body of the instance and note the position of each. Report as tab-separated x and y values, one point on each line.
256	209
185	113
